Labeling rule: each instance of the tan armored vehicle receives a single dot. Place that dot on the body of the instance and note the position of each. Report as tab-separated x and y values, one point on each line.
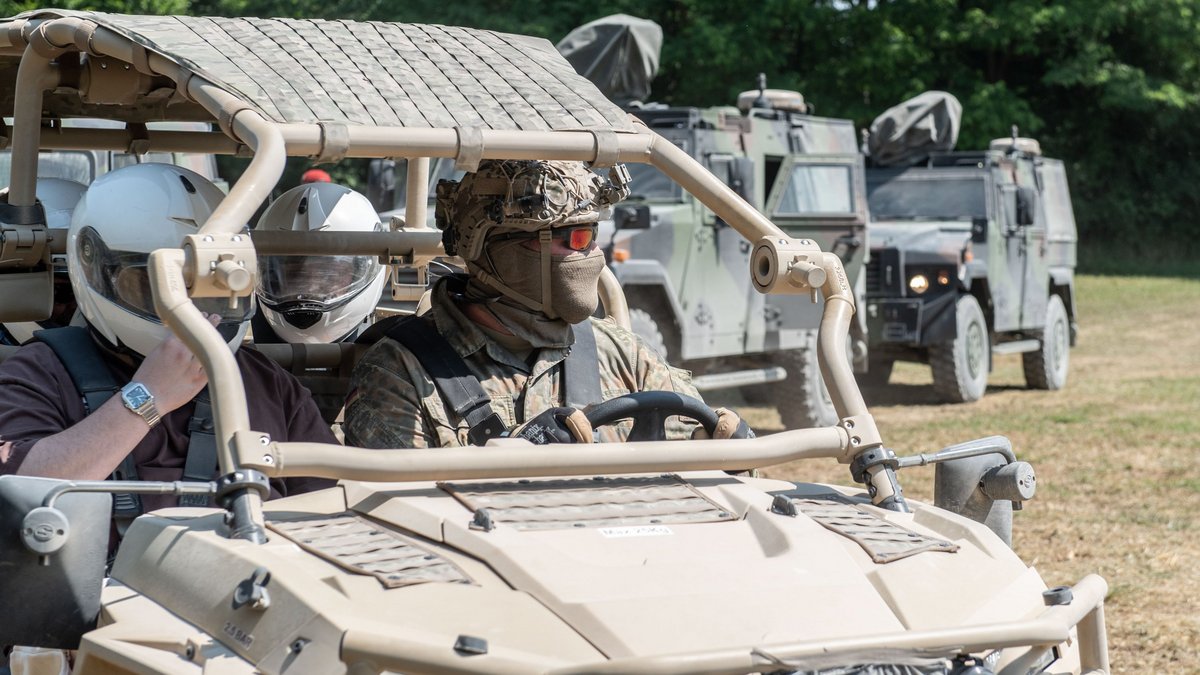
642	557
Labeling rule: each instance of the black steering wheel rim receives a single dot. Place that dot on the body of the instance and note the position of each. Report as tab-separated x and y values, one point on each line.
649	411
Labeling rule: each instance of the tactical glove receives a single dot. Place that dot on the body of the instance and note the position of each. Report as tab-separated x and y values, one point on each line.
556	425
729	425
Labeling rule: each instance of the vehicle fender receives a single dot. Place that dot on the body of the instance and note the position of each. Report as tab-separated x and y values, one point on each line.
651	273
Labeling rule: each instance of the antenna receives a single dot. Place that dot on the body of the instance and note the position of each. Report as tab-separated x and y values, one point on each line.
761	101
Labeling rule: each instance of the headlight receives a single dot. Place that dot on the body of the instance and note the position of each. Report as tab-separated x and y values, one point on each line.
919	283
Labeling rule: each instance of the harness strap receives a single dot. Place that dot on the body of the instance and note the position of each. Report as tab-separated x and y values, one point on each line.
96	384
457	386
581	370
201	462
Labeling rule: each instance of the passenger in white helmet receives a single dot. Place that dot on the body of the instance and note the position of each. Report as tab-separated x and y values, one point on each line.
317	299
145	418
58	197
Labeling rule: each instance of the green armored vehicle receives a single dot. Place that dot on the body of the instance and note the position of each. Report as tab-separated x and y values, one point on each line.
972	254
682	267
649	556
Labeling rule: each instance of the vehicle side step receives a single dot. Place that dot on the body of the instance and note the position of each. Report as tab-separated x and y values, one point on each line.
739	378
1017	347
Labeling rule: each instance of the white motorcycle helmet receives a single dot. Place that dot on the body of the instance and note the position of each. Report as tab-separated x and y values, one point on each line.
319	299
121	219
58	197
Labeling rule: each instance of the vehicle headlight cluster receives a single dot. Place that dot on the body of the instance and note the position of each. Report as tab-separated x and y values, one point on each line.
938	279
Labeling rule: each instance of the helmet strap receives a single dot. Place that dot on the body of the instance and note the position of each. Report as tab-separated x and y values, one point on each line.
546	242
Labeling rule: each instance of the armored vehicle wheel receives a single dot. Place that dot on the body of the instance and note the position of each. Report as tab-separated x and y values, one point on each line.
802	399
1046	368
960	367
644	324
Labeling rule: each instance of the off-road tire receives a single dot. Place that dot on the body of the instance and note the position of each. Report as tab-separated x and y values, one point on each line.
646	327
960	367
1047	367
802	400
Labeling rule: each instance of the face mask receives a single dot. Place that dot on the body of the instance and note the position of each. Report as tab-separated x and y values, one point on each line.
573	280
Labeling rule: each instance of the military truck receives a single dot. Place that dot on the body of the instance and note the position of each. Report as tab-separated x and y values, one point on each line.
646	556
682	267
972	255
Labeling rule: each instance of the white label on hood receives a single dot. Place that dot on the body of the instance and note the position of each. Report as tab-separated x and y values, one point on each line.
636	531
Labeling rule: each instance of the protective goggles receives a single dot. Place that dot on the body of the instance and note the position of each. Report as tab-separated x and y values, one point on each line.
578	238
122	277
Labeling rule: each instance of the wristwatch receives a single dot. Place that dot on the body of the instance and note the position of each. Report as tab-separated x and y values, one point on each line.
138	398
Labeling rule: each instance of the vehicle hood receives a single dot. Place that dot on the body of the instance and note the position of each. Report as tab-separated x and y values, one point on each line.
567	572
922	242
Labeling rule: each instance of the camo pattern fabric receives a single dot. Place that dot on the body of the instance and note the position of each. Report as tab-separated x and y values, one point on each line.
393	402
520	196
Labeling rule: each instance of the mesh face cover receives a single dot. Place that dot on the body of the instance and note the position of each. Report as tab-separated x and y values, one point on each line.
522	196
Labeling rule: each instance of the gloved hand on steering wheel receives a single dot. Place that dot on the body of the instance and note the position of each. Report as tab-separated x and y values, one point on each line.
556	425
729	425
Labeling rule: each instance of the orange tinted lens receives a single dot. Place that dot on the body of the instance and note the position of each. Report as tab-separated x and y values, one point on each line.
580	238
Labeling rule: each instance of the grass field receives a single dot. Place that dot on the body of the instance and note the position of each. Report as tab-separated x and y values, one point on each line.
1117	454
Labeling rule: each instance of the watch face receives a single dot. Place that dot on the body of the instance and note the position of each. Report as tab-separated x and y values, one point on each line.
136	396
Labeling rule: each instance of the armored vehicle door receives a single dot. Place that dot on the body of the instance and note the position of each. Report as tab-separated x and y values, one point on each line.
823	198
1024	227
716	292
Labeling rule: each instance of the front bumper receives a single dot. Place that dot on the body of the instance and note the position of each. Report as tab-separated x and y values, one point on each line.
915	322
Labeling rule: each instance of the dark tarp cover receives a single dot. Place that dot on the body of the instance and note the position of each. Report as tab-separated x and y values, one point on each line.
618	53
908	133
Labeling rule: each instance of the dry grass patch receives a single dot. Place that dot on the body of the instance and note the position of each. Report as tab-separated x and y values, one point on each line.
1117	453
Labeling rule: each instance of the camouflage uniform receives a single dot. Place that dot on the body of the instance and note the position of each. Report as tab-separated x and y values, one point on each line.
394	404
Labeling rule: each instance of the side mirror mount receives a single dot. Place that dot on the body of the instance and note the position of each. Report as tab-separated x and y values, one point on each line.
54	573
631	217
979	230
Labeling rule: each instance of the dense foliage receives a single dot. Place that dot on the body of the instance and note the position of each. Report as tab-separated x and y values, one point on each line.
1111	86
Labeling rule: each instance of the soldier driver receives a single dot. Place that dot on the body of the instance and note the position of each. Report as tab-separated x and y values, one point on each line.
527	231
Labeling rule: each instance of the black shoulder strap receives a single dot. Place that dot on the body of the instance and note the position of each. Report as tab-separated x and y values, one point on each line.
581	370
79	355
201	462
96	384
458	387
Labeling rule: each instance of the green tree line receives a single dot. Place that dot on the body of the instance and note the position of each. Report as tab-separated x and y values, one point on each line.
1110	86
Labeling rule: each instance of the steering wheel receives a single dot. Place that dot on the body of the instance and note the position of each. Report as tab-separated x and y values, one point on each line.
649	411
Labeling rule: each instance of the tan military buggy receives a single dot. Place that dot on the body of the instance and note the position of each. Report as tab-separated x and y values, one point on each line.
608	558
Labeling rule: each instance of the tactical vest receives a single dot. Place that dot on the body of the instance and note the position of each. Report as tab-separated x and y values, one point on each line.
460	389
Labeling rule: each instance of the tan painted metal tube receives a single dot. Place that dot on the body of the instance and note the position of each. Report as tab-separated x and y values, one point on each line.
400	243
685	170
117	140
520	459
1051	627
416	205
612	298
176	310
831	345
34	76
305	139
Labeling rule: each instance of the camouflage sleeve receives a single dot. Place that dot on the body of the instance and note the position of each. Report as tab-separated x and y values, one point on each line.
383	408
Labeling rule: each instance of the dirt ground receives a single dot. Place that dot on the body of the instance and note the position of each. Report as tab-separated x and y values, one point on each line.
1117	455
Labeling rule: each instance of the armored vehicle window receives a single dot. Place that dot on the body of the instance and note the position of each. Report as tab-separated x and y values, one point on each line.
651	184
942	199
76	166
818	189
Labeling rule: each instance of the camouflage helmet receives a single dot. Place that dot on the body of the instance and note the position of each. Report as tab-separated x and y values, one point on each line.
522	196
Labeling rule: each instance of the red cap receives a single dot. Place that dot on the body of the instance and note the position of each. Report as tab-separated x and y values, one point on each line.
315	176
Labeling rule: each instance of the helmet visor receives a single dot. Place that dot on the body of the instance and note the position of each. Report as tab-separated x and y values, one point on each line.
122	277
320	282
